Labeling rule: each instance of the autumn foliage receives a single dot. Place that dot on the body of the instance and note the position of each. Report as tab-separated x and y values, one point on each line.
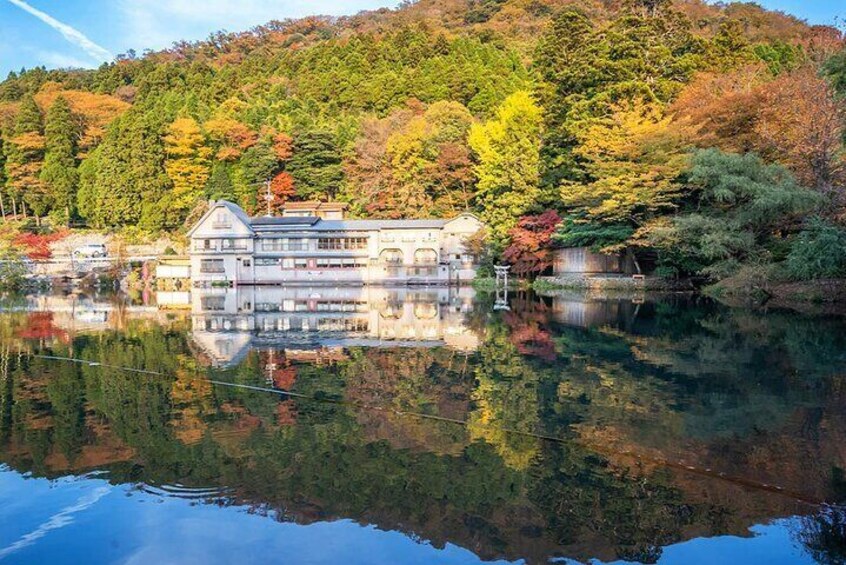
530	251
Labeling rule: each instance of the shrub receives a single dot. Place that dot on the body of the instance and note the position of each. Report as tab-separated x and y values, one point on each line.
818	252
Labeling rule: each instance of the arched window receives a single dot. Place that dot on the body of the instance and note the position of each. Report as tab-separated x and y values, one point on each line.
425	257
391	256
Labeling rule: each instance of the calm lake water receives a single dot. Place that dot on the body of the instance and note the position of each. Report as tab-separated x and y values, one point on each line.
418	426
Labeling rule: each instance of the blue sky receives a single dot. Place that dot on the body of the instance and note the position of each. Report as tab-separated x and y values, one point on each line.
82	33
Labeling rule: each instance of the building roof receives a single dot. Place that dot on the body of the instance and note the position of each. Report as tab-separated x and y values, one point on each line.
314	223
289	221
315	205
234	208
366	225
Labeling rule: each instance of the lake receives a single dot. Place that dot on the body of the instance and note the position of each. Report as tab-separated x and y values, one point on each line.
369	425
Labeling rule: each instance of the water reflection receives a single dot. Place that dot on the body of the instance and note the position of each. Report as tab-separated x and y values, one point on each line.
227	323
568	426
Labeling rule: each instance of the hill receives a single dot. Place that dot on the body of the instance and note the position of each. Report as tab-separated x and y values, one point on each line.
592	109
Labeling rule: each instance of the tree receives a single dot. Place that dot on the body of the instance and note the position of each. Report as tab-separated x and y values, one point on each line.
187	167
802	123
282	189
632	158
742	209
508	152
59	173
124	182
316	166
530	249
257	165
24	155
219	186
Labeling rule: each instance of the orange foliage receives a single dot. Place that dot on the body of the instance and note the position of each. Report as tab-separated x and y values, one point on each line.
801	123
795	118
233	137
723	108
282	189
39	326
94	111
30	141
283	146
37	246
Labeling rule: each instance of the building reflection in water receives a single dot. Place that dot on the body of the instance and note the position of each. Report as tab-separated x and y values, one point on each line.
227	323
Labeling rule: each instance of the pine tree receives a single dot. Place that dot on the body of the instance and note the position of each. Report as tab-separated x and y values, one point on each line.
59	173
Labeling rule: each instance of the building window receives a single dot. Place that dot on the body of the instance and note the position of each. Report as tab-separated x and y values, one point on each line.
284	244
213	303
341	243
425	257
391	256
221	221
266	261
212	266
246	262
300	263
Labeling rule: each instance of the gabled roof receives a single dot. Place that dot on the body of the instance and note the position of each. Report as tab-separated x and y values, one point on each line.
234	208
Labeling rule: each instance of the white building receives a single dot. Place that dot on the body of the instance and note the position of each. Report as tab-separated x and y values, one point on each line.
312	243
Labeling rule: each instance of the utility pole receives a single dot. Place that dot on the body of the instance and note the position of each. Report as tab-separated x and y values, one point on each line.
269	197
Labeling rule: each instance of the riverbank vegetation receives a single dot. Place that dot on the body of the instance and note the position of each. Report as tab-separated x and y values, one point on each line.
709	136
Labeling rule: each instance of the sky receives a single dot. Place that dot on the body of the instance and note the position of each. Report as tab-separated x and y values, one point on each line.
84	33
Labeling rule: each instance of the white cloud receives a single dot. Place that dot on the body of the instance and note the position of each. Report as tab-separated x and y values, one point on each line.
69	33
58	520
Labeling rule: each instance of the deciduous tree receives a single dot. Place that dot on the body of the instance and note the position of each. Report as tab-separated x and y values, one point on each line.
508	152
187	166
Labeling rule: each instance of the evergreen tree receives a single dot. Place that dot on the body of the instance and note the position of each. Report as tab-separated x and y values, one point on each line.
24	154
59	173
316	166
219	185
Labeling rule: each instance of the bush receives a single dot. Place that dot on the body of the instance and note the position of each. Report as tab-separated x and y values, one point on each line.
818	252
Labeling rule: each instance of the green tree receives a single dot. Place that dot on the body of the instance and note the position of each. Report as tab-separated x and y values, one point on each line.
508	152
24	155
316	166
741	212
59	172
219	185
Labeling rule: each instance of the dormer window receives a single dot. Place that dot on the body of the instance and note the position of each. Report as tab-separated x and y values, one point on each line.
221	220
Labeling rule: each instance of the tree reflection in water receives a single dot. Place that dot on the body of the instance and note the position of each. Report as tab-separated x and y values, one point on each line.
625	388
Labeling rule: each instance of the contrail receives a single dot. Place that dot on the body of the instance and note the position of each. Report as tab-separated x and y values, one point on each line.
73	35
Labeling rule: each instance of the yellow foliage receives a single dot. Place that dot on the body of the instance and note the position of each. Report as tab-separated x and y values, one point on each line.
634	156
187	162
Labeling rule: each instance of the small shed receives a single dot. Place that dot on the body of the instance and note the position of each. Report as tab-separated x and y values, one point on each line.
173	268
583	261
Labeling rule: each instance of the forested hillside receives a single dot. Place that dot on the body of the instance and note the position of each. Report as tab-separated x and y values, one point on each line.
709	135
